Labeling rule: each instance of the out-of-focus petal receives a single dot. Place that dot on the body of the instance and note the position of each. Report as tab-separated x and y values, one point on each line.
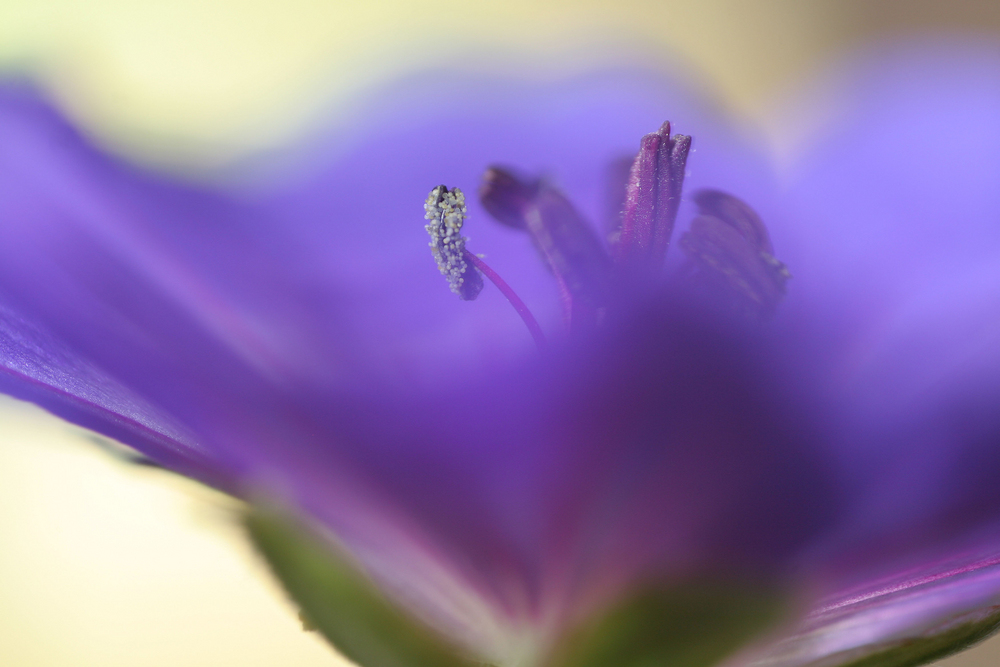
893	316
94	290
38	369
914	618
657	451
896	266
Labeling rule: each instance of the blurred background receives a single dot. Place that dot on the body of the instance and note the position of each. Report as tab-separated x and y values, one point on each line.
106	563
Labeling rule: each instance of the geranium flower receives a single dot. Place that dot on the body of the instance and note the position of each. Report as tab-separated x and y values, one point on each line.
700	451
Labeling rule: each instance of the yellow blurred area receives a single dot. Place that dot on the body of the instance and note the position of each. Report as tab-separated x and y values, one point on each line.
107	564
206	80
194	81
200	83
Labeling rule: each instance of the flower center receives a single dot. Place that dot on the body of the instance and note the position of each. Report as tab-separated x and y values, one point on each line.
729	253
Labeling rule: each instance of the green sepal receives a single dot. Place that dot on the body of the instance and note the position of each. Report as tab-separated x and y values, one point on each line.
341	603
692	624
914	651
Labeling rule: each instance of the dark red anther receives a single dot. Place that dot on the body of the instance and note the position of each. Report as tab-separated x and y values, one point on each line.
506	197
652	197
566	242
572	248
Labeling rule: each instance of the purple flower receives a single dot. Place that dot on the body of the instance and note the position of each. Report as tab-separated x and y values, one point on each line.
700	427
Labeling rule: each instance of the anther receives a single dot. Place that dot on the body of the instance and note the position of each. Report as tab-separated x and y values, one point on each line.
506	197
566	242
730	246
445	211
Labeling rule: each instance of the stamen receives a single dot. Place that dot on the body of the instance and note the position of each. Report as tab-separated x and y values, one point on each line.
446	211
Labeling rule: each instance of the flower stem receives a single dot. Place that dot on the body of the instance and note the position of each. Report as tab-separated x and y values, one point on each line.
515	300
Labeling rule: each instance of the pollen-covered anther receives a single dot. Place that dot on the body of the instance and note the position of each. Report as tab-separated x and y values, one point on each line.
445	211
652	198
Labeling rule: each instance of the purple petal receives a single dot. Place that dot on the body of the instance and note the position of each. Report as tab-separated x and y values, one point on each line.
923	615
895	311
897	266
37	368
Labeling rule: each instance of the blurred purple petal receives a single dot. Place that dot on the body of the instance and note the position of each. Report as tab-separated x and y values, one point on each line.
899	254
915	617
897	286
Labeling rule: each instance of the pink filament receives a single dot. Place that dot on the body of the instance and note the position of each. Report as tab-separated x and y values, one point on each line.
515	300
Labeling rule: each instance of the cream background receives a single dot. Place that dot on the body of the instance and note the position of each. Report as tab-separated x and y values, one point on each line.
102	563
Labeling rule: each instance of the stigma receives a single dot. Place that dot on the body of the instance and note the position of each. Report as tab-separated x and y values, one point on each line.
445	211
